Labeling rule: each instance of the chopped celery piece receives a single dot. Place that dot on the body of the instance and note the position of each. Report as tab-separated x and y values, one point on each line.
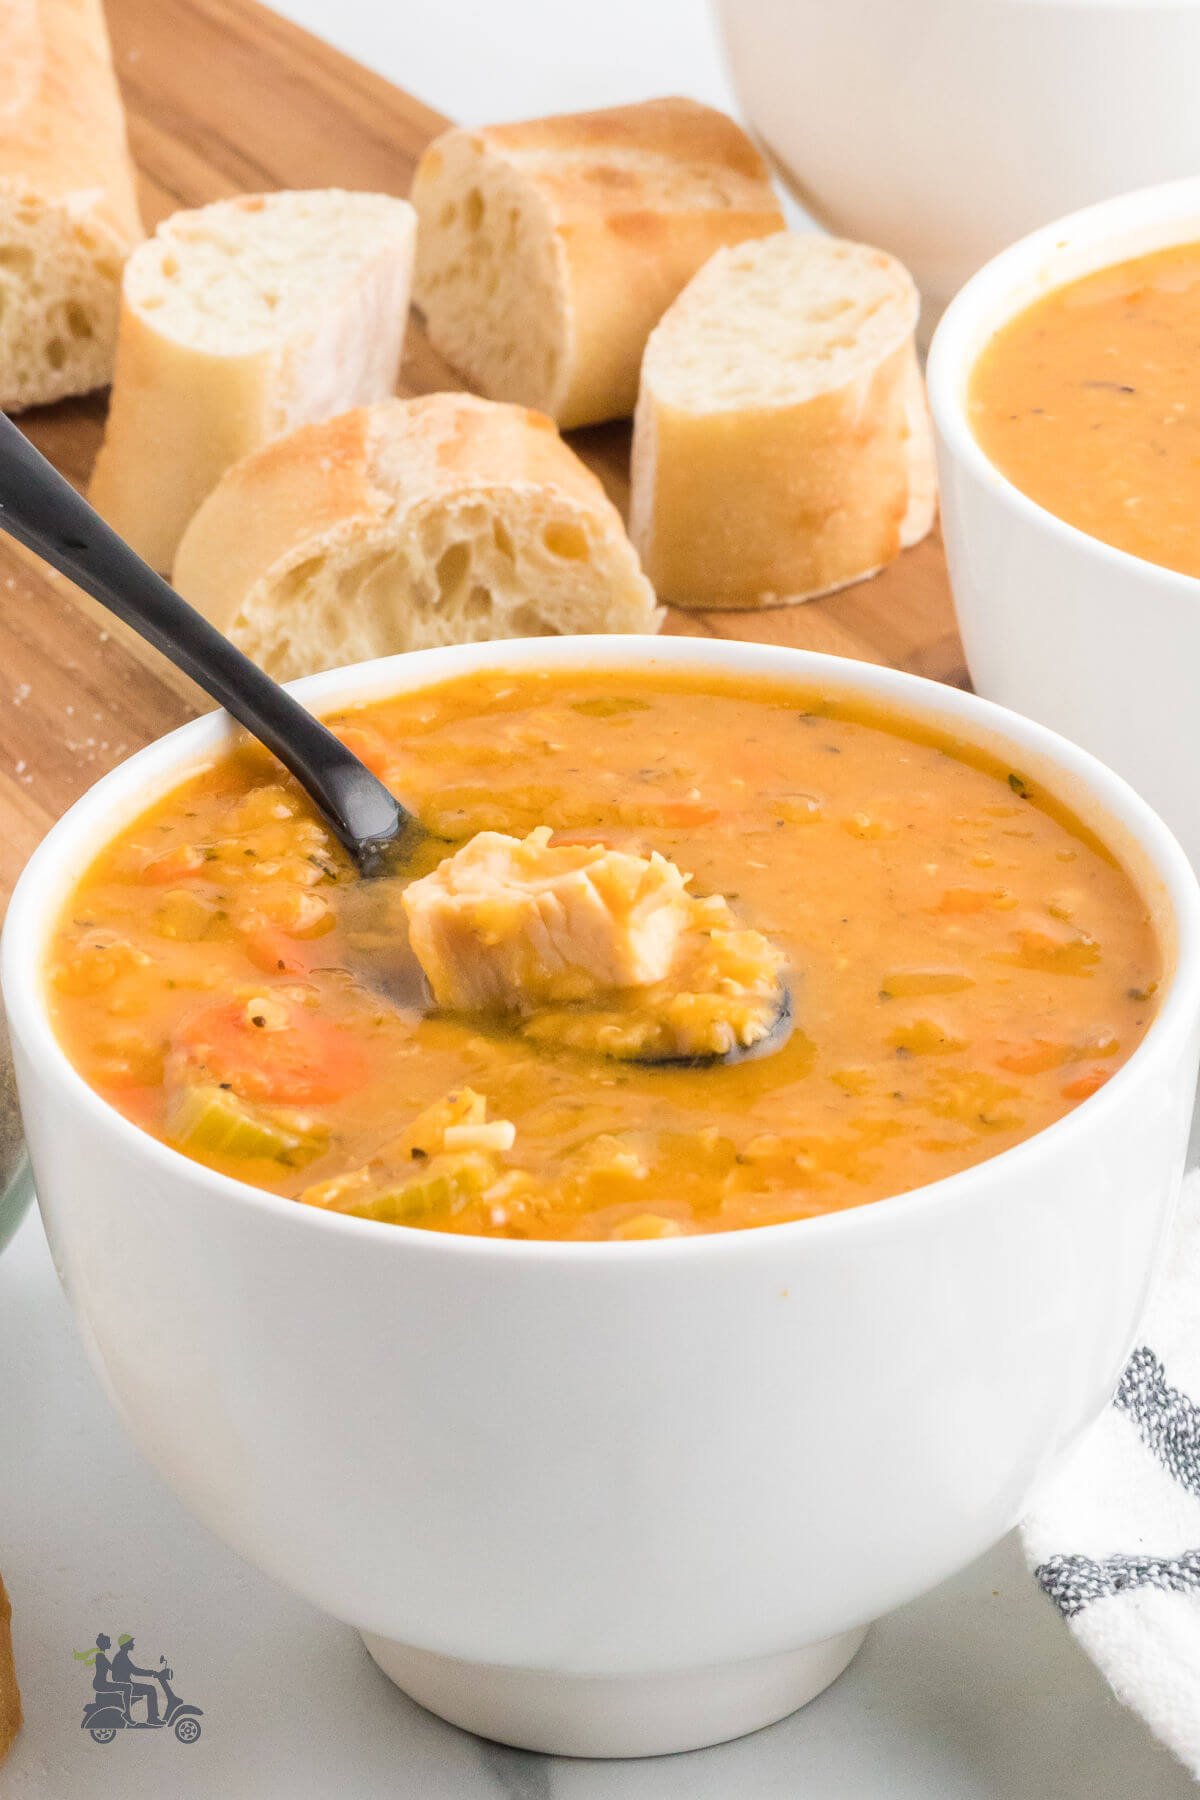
445	1184
208	1120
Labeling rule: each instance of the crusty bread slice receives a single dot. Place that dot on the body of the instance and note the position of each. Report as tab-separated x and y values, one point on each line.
548	250
445	519
10	1693
68	211
239	322
781	442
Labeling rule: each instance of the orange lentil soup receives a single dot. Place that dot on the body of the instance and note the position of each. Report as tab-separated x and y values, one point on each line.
1089	401
966	965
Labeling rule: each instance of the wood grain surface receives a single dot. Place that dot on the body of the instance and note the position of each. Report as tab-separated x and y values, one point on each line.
225	97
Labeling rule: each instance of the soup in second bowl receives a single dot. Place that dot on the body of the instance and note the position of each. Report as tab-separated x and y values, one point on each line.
965	962
1089	402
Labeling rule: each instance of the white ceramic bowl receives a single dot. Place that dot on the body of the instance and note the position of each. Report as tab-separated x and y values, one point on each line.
1087	639
943	129
617	1498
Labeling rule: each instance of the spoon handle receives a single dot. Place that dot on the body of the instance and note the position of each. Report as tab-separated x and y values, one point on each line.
42	510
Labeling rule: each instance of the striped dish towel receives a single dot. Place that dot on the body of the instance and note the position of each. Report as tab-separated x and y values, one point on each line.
1114	1541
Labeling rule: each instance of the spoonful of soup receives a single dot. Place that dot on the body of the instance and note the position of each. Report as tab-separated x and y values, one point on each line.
600	951
593	949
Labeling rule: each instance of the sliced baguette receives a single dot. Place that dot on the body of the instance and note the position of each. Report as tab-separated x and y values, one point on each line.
781	442
239	322
548	250
68	210
445	519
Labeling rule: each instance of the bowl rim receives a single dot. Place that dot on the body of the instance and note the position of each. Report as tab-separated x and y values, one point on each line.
983	301
153	771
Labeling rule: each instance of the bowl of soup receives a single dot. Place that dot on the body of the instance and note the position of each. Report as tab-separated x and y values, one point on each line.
610	1399
1064	386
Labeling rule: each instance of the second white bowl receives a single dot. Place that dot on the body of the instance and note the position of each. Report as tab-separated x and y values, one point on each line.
1087	639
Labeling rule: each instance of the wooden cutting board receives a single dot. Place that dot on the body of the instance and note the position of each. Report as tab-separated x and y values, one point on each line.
225	97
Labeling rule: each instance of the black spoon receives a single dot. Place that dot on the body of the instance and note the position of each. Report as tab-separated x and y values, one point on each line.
42	511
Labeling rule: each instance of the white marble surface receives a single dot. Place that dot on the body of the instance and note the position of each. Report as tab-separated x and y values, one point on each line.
973	1693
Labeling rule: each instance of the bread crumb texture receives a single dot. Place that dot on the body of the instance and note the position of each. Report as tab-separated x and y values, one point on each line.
243	275
772	324
439	520
549	249
68	213
60	277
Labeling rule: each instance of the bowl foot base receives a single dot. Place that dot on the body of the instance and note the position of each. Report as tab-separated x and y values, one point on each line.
603	1715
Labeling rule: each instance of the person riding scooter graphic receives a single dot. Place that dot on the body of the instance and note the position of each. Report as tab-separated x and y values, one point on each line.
117	1692
123	1671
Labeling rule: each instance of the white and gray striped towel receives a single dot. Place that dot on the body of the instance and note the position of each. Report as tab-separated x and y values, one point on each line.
1114	1541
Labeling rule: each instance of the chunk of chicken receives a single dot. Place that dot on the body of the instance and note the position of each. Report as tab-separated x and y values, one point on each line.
596	950
509	924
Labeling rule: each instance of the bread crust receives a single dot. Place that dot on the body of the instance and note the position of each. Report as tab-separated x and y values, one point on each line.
62	130
775	507
10	1693
63	152
361	480
637	198
673	126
